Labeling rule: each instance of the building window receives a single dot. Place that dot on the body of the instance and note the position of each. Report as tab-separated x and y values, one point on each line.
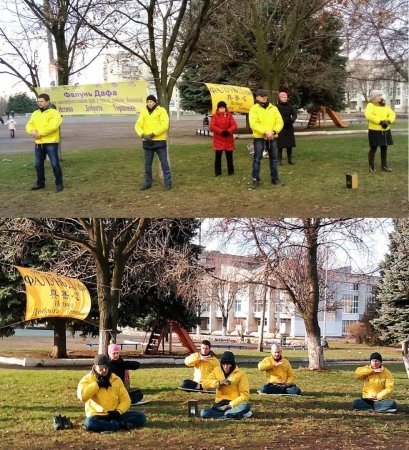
369	298
350	303
346	324
204	307
259	322
258	305
237	305
370	288
397	102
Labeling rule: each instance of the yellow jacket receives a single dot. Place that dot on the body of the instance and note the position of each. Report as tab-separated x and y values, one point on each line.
237	392
376	113
277	374
157	123
375	383
201	368
263	120
47	123
98	401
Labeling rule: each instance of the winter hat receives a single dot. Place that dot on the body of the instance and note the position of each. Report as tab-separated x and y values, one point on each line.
112	348
281	95
221	104
261	93
375	355
228	358
101	360
151	97
375	93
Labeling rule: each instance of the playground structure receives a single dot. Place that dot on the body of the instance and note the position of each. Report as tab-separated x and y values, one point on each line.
318	115
158	335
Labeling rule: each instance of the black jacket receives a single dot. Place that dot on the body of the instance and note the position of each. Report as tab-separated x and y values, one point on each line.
119	366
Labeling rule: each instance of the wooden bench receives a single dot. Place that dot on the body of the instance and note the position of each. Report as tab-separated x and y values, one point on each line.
121	344
230	346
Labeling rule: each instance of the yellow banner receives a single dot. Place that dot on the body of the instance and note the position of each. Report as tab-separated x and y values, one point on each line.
50	295
238	99
96	99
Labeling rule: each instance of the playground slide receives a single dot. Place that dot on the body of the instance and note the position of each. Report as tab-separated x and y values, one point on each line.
184	337
335	118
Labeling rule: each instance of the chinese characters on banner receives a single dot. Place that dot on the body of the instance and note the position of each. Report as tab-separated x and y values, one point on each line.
50	295
238	99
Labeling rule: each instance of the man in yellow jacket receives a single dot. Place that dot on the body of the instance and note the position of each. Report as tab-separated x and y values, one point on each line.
106	400
152	126
203	362
44	127
280	375
380	118
378	387
232	391
266	122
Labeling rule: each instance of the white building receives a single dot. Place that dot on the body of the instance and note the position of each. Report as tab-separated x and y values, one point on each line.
363	78
343	302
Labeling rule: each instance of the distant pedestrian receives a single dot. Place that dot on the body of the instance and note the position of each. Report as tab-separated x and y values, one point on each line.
286	137
266	123
44	127
380	118
152	126
11	125
223	126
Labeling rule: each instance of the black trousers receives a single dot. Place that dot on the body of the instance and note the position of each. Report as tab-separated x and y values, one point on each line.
218	162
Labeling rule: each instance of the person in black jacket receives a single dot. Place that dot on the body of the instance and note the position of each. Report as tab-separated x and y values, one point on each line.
286	137
120	368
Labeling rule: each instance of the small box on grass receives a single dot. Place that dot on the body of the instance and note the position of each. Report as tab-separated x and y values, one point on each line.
352	180
193	408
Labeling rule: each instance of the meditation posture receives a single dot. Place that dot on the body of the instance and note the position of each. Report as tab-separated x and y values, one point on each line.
106	400
120	367
203	363
280	375
232	391
378	387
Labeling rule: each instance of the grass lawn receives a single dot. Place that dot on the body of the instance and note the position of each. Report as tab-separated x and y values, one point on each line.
105	182
319	419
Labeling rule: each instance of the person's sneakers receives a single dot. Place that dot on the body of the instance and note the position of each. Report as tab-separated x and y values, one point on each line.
261	393
255	184
168	187
58	422
277	181
37	187
67	424
126	426
58	188
145	187
386	169
372	169
247	414
391	410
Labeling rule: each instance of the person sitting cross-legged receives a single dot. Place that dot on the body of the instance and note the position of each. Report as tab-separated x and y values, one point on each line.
232	391
106	400
378	387
203	362
279	374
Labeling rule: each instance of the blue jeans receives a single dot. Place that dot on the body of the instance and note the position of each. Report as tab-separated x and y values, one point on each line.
163	158
271	388
101	423
365	404
50	150
271	147
214	413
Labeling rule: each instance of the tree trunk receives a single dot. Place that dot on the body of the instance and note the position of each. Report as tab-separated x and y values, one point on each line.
224	326
315	352
60	340
260	346
405	356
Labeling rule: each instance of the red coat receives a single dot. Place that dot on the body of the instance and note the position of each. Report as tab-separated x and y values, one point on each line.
218	123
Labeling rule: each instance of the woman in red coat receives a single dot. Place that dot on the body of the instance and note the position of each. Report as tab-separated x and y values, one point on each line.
223	126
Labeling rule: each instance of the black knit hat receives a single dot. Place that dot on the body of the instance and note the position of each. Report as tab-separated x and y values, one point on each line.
261	93
221	104
375	355
151	97
227	357
101	360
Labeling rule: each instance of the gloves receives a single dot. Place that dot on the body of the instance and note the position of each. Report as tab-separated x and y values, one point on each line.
384	124
149	137
224	382
225	133
114	415
103	383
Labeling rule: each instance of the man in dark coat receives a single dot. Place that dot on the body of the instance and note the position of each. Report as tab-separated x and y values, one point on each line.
286	138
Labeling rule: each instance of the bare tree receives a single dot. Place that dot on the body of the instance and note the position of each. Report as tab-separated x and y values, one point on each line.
290	247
